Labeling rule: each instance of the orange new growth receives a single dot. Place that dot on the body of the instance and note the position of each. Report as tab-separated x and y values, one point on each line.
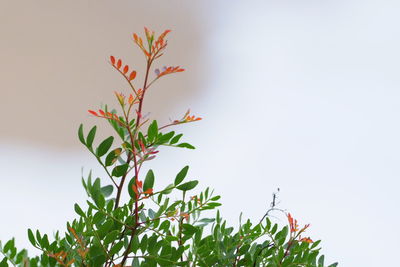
292	224
154	48
306	239
124	71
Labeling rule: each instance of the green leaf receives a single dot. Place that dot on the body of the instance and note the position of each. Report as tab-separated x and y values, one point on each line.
90	137
96	185
281	235
38	236
171	238
164	226
274	228
186	145
152	131
135	262
21	256
107	190
175	139
116	248
135	245
120	170
99	199
98	217
4	263
97	255
205	221
91	205
110	237
105	228
168	189
130	190
268	225
152	214
151	246
104	146
110	205
113	156
45	242
181	175
149	180
321	260
165	137
31	237
188	186
80	134
214	204
143	244
315	244
79	211
163	262
188	229
9	245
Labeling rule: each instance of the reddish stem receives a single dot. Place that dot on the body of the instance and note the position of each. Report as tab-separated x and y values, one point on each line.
135	160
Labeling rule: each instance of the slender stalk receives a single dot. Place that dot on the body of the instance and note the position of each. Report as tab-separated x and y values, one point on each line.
133	137
181	224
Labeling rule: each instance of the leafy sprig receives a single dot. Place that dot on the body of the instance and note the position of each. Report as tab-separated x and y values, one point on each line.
156	226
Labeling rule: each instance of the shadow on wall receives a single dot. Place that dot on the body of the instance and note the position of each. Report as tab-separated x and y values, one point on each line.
54	62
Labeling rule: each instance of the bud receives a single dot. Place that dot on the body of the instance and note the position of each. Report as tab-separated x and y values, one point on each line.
121	98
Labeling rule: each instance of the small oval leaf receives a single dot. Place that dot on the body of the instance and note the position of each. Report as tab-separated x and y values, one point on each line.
148	181
186	145
181	175
152	131
104	146
78	210
80	134
175	139
188	186
31	237
90	137
107	190
120	170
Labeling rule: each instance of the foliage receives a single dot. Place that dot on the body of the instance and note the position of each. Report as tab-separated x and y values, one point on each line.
153	228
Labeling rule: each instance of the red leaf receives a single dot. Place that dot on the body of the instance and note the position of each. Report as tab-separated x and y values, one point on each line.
132	76
93	112
131	99
126	68
142	146
112	60
149	191
119	63
162	36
